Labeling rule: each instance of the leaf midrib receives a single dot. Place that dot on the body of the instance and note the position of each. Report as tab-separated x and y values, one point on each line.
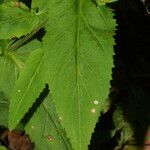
51	117
79	11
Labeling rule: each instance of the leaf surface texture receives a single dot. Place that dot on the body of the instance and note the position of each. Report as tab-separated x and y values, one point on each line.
78	64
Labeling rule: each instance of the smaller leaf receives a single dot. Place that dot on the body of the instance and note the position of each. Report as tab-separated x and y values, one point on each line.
16	21
30	79
11	62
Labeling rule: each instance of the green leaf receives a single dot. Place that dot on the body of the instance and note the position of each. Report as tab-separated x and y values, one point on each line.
45	130
16	21
27	88
78	61
9	73
11	62
3	110
103	2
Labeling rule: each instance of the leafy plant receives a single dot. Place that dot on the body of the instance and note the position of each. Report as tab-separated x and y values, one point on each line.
73	60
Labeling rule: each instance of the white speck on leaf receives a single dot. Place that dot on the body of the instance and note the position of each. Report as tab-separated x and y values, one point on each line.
19	91
96	102
93	110
60	118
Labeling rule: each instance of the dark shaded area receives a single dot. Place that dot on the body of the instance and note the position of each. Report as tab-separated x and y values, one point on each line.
131	75
34	107
39	35
27	2
3	140
101	138
23	41
134	23
17	139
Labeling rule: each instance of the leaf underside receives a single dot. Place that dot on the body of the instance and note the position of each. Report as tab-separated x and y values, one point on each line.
78	64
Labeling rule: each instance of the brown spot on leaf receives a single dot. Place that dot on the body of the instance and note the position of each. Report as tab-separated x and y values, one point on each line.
50	138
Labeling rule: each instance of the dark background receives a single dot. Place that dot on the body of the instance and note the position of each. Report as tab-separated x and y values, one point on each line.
131	75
